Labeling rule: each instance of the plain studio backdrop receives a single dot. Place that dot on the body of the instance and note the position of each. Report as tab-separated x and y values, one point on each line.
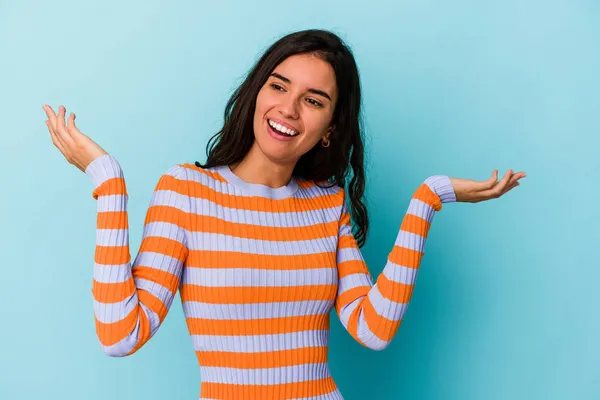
506	303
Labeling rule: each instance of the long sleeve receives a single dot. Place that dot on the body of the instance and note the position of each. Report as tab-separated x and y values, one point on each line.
372	313
131	301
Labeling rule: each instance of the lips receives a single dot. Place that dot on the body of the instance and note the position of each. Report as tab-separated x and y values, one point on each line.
282	128
279	135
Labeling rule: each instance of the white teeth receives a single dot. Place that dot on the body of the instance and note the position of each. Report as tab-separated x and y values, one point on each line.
282	128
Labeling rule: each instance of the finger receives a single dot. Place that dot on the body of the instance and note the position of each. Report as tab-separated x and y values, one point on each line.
51	115
61	129
71	128
498	189
55	139
61	119
514	177
489	183
510	187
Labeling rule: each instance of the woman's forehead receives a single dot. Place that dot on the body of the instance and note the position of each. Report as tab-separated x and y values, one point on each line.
307	71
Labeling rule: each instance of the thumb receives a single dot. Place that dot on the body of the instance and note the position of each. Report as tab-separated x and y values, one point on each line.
72	120
492	181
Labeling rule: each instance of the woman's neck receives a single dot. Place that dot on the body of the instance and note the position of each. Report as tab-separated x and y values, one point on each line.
258	169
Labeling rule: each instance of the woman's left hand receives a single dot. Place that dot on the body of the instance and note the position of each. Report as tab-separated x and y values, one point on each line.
470	191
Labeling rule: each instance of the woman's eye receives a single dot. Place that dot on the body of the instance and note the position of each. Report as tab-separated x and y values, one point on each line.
315	103
276	87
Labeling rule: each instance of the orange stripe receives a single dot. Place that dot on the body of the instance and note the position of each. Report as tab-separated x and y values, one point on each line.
112	333
347	242
163	278
345	218
211	224
406	257
427	196
352	294
268	359
169	247
112	255
112	220
287	390
398	292
153	303
353	324
166	214
263	326
248	295
232	259
303	183
211	174
414	224
117	255
112	292
382	327
350	267
251	203
109	187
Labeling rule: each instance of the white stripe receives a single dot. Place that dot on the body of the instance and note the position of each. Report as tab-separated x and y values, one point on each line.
165	230
204	207
114	312
349	254
333	395
123	347
119	237
193	309
112	237
347	311
265	376
112	203
400	274
251	277
410	241
160	262
220	242
385	307
261	343
353	281
112	273
367	336
421	209
194	175
157	290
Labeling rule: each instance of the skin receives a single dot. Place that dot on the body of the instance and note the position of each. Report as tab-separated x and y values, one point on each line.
286	97
301	95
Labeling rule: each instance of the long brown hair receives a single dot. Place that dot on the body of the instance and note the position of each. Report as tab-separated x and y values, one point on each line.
333	164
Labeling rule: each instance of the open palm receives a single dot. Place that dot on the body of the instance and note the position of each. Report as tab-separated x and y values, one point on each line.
77	148
471	191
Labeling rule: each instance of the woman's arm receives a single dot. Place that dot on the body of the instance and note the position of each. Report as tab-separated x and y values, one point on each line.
373	313
132	300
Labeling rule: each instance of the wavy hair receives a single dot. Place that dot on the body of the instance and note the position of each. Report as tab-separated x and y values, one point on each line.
333	164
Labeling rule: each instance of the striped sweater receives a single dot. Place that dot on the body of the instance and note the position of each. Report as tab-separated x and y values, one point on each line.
259	270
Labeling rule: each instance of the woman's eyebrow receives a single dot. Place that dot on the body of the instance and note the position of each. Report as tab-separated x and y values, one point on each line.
315	91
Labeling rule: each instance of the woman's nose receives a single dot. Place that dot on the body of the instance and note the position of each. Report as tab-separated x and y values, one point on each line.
289	108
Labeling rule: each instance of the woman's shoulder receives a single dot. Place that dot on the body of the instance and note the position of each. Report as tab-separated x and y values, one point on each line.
191	173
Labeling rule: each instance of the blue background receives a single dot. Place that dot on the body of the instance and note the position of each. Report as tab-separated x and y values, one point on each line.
506	304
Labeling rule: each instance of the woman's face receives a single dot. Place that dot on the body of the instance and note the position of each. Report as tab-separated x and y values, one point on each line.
299	97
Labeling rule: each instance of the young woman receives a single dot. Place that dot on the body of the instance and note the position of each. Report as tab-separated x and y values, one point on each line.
259	239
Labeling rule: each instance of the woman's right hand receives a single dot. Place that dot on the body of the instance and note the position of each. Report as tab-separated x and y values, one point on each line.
77	148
